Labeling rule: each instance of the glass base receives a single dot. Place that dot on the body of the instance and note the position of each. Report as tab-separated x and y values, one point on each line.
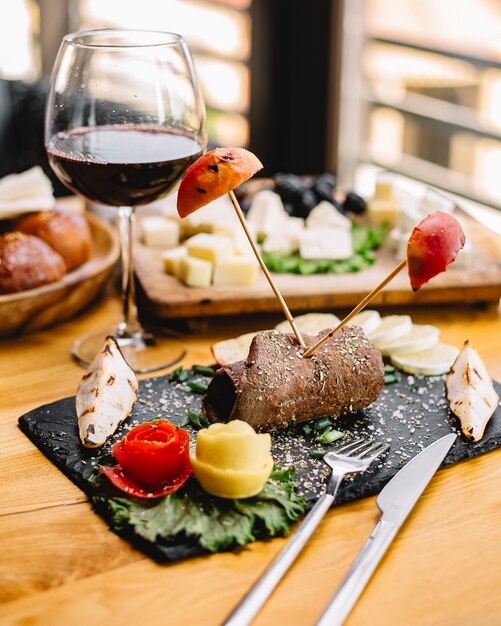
144	352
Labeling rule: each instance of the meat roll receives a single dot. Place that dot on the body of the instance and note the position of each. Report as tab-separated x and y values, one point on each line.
275	386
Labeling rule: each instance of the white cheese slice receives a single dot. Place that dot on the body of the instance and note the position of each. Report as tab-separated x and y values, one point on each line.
195	272
172	259
237	270
325	243
159	232
324	215
267	213
213	248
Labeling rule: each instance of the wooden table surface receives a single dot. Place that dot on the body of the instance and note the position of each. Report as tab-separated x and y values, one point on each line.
61	565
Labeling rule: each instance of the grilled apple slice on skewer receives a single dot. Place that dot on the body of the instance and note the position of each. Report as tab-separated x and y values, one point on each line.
105	396
471	393
214	174
433	245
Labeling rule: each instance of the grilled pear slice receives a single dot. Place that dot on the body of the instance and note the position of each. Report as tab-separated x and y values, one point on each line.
105	396
471	393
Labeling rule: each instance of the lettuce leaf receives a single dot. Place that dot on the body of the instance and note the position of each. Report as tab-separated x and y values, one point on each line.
214	523
366	239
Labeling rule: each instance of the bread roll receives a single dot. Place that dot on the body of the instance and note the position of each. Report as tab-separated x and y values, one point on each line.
27	262
67	233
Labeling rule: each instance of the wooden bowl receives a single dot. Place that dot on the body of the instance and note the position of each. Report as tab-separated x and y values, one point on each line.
38	308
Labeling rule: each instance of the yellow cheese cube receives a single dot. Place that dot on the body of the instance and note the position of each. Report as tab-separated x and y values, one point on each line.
195	272
384	191
172	259
159	232
383	211
213	248
236	270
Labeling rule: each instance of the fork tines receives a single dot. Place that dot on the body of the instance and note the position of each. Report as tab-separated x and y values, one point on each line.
361	448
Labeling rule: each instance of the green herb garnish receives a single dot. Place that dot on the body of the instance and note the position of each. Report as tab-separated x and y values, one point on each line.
390	379
179	375
194	419
389	369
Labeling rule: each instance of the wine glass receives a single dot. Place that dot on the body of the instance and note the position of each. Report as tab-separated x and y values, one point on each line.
124	120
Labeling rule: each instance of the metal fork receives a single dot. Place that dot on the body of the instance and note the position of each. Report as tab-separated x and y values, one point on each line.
351	458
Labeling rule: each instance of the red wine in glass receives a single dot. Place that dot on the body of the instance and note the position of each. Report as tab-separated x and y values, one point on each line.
124	120
122	165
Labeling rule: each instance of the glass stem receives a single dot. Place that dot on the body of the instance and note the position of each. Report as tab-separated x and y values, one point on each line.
129	326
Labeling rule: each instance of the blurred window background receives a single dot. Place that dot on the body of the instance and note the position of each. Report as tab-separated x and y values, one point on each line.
427	100
410	86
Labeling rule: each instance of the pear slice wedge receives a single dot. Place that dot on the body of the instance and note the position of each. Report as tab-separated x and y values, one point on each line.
105	396
471	393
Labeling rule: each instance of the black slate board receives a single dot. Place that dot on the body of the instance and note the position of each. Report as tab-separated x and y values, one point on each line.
409	414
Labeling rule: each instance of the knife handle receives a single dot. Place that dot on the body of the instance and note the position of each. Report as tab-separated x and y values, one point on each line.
355	580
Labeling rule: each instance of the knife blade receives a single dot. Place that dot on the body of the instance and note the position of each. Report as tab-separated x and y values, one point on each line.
395	502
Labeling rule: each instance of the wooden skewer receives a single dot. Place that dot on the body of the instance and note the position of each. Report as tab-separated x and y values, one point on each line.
255	249
357	309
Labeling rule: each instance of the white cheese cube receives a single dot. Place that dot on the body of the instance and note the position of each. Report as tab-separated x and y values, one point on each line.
159	232
172	259
235	232
326	243
213	248
195	272
267	213
281	243
408	217
324	215
294	227
401	251
237	270
202	221
394	239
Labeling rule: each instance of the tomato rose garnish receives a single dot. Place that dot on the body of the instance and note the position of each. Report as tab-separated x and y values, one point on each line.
154	460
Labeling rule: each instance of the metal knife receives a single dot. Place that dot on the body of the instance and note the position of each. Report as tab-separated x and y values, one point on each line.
395	503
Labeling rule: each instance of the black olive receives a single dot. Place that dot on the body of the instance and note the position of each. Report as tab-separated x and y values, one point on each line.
305	203
327	179
289	186
353	203
289	208
323	191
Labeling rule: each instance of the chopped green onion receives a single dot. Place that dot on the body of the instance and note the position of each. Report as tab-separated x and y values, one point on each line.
329	436
197	387
179	375
204	370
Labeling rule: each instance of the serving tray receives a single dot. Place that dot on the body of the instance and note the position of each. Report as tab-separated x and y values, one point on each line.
167	297
409	415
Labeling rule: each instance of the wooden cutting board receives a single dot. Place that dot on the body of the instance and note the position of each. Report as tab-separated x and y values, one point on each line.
479	282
